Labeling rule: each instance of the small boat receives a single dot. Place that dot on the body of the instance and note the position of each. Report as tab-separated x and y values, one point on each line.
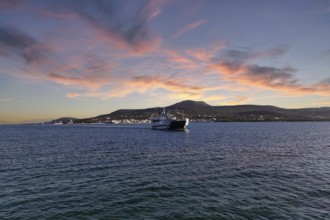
170	121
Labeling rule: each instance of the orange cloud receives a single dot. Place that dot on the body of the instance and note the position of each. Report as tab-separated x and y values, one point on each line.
176	57
279	79
206	54
184	96
72	95
193	58
176	84
238	100
144	84
76	81
107	76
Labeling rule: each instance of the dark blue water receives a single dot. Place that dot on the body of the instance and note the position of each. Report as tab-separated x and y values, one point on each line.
214	171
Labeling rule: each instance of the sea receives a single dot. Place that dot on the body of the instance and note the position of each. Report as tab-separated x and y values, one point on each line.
261	170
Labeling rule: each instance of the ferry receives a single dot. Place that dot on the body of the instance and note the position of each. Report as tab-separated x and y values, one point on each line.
169	121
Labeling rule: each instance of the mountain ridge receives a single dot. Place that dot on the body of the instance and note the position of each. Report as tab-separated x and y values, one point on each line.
201	111
190	103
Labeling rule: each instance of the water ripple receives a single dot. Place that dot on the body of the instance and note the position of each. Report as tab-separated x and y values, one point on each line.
214	171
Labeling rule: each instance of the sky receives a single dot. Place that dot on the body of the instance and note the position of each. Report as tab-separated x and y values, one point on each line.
83	58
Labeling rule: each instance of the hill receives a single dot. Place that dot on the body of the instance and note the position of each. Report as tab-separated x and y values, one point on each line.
201	111
64	120
190	104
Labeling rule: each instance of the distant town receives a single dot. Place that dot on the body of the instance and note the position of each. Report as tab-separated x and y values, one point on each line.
199	111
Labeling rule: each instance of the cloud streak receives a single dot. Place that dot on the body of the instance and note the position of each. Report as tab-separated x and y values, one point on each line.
141	85
114	22
237	67
101	77
189	27
119	33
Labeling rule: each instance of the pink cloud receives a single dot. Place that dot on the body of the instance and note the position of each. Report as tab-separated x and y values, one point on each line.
108	76
206	54
277	79
120	27
136	48
143	84
76	81
177	57
189	27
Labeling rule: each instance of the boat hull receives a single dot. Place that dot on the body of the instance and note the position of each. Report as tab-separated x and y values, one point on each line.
177	125
170	124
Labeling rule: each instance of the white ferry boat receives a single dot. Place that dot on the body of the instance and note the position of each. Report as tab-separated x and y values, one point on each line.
167	121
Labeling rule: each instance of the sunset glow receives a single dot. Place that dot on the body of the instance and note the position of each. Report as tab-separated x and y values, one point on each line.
82	58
